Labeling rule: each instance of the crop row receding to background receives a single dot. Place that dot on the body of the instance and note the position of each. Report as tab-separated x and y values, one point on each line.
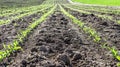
59	33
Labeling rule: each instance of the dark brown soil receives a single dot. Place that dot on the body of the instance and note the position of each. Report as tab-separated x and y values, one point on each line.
57	42
9	32
107	29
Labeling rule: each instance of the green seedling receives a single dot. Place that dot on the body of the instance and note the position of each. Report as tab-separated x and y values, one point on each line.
115	53
119	22
97	38
15	43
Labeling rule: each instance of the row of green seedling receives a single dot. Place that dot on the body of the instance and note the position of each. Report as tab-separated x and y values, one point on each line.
98	15
86	29
92	33
104	10
114	51
117	12
8	49
23	11
86	12
18	10
23	15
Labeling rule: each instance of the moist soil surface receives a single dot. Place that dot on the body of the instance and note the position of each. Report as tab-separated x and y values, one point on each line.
107	29
57	42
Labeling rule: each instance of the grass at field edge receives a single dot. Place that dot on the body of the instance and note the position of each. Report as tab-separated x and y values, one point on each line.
100	2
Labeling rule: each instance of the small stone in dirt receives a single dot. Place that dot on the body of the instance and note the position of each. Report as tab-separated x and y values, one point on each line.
104	23
64	58
67	40
43	48
24	62
77	56
50	50
42	31
34	50
69	51
63	18
64	22
41	58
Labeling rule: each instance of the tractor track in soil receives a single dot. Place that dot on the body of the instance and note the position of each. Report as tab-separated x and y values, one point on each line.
106	28
9	32
57	42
